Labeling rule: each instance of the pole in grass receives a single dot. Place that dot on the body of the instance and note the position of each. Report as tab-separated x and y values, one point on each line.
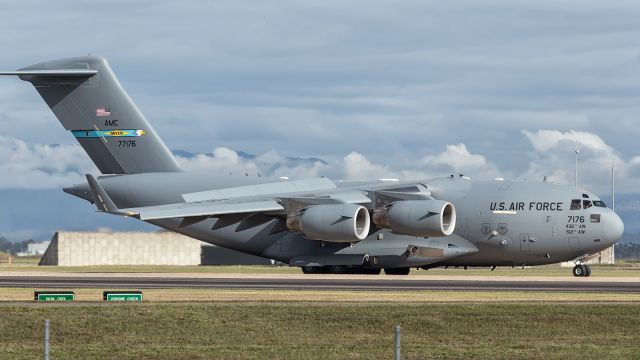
46	339
397	342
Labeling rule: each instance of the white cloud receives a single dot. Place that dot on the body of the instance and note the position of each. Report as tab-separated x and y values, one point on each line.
41	166
357	167
554	157
551	154
545	140
458	158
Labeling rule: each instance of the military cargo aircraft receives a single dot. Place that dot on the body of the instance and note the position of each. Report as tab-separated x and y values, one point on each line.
316	224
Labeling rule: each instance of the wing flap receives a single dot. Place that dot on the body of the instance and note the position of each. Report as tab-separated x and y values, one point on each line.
185	210
180	210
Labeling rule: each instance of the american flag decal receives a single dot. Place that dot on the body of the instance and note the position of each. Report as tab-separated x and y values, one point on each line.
103	111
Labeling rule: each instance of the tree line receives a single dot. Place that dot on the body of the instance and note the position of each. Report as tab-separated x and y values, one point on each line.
11	247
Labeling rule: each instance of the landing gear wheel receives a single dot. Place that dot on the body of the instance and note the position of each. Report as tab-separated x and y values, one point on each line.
369	271
397	271
579	270
337	269
311	269
588	270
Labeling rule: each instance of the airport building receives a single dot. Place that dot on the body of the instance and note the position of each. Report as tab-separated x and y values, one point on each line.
138	248
34	249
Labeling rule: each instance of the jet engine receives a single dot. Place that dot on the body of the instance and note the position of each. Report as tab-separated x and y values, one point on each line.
423	218
335	223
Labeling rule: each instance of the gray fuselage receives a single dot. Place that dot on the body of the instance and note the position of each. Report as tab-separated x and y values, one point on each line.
500	222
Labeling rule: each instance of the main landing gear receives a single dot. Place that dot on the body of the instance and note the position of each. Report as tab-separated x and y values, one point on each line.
340	269
582	270
397	271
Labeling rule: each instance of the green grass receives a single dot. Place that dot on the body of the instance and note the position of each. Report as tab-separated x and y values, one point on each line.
625	268
323	331
203	295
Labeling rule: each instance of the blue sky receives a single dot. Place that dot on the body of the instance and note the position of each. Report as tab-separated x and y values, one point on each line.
376	89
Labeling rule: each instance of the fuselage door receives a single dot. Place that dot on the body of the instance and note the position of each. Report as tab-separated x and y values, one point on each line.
525	245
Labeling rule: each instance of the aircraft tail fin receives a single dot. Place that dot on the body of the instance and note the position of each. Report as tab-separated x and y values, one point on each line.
87	98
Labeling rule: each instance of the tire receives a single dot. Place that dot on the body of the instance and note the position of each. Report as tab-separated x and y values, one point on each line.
369	271
579	271
311	270
397	271
588	272
337	269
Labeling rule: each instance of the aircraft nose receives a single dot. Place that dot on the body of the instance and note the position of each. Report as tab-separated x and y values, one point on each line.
613	227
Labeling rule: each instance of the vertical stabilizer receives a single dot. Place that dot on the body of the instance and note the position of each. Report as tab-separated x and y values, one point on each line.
89	101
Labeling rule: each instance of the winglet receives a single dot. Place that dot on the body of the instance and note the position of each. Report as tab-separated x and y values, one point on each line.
103	201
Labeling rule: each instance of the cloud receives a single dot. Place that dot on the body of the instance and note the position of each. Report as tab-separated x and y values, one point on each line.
554	157
41	166
358	167
224	161
454	159
457	158
550	154
545	140
386	80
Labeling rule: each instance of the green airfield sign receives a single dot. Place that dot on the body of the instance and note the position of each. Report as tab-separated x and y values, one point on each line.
54	296
122	296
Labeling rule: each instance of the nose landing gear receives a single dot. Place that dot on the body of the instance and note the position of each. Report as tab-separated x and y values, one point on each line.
581	270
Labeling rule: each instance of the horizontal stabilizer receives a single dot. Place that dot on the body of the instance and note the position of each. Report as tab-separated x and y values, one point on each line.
64	72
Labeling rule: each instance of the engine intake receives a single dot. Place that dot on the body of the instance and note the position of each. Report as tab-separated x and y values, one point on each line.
335	223
423	218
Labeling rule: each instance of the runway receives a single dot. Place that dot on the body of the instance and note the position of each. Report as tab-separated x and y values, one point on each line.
360	283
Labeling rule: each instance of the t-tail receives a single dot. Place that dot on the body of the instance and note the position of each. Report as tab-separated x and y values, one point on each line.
86	97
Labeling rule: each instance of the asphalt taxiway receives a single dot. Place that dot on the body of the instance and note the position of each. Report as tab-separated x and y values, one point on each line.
318	282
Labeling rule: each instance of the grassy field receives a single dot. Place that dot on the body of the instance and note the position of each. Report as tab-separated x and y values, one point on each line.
230	330
8	295
620	269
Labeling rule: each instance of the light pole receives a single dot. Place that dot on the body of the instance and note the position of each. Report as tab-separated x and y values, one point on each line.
613	203
613	185
577	152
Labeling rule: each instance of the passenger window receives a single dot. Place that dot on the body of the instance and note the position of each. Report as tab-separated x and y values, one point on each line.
586	204
575	204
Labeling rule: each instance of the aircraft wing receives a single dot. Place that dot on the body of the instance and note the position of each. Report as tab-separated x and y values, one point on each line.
180	210
207	208
275	198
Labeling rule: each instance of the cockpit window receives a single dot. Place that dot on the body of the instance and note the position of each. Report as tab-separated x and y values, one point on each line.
586	196
586	204
599	203
576	204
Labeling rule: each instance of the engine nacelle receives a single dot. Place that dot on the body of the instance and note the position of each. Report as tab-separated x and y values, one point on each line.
335	223
423	218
